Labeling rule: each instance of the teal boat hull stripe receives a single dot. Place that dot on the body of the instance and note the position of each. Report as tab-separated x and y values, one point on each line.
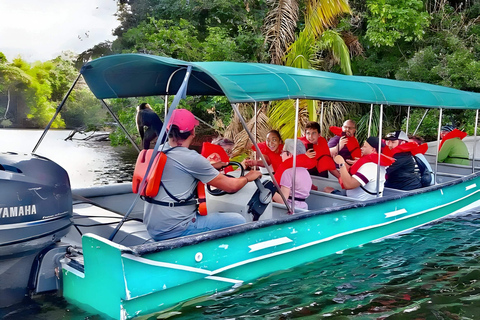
232	266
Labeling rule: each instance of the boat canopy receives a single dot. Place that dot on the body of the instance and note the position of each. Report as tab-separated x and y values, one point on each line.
137	75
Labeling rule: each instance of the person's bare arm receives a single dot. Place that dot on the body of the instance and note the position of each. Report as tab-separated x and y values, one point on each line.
230	184
278	198
349	182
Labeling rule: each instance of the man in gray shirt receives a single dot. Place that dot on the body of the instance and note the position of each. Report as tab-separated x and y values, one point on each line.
182	172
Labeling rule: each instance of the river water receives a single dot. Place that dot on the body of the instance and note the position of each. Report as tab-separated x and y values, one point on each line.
430	273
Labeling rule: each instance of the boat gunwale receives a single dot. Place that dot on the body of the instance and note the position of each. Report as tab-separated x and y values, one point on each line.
174	243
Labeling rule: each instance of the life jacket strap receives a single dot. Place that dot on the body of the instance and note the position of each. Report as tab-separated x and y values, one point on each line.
171	204
297	199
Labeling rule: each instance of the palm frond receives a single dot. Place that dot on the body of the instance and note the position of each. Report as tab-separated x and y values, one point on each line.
282	117
237	133
301	52
279	27
334	113
322	14
351	41
333	42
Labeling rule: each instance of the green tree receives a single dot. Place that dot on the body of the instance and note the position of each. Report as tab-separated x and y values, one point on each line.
12	80
392	20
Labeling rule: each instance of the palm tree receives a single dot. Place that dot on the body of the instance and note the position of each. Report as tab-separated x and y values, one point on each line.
316	37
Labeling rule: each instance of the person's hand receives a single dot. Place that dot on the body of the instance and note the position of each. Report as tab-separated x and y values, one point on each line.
351	161
339	159
250	162
311	153
253	174
343	141
218	165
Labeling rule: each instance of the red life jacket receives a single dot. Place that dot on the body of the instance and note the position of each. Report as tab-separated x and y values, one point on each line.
302	161
385	161
323	157
208	149
411	147
352	143
455	133
275	158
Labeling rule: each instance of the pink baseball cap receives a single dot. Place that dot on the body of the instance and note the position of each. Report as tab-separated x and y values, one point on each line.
183	119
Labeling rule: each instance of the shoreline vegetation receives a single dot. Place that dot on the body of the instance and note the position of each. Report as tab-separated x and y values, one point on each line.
439	43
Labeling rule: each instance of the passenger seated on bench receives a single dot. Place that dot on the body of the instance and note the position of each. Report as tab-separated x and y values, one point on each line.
317	148
344	142
173	211
402	173
452	148
419	140
303	181
271	150
361	181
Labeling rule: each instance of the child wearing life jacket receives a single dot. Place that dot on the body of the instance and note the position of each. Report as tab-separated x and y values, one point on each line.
271	150
303	181
317	148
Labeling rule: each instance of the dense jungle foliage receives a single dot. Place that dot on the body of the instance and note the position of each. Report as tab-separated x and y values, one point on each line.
434	41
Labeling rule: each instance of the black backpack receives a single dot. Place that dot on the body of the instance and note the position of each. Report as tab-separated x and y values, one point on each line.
425	174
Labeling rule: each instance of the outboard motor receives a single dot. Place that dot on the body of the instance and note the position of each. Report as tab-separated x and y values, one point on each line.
35	212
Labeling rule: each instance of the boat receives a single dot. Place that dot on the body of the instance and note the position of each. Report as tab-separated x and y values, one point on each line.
109	264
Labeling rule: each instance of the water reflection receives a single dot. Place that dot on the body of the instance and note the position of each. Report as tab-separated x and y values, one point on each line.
87	162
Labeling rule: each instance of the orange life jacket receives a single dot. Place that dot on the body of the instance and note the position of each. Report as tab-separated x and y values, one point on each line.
152	181
352	143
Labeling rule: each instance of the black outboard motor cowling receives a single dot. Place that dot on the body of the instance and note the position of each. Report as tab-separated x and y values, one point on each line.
35	212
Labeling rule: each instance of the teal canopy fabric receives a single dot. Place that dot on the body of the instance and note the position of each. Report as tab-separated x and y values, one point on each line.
137	75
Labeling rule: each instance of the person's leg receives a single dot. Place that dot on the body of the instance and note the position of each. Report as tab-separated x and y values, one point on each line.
213	221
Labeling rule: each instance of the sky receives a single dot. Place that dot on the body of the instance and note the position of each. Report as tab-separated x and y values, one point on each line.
39	30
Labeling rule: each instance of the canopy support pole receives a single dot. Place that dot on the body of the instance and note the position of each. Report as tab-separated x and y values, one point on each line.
255	133
166	106
295	141
370	120
438	142
321	120
380	125
120	125
421	120
475	142
182	91
270	173
60	106
408	120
